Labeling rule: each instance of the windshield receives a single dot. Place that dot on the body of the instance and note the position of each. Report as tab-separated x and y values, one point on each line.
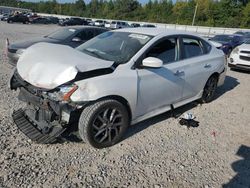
222	38
61	34
119	47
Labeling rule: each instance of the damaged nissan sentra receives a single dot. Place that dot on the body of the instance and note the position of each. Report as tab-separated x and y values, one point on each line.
116	79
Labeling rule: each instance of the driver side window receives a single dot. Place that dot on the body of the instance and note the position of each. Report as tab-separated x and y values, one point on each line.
165	50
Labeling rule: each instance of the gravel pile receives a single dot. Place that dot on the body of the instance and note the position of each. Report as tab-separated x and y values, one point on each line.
155	153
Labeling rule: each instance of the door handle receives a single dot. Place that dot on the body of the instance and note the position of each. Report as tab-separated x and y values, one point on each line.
179	73
207	66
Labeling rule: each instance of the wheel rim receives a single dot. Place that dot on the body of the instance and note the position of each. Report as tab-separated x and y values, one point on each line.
107	125
210	87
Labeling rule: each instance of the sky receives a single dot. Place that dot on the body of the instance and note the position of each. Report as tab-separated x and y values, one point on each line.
86	1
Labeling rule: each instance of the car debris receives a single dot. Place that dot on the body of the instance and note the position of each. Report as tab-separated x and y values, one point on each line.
188	120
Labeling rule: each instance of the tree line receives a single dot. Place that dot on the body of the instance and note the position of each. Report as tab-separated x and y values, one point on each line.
216	13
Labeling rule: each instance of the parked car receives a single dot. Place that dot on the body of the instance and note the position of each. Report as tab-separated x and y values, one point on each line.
18	18
53	20
71	36
245	34
228	42
4	17
41	20
90	22
240	57
73	21
119	25
32	16
107	24
99	23
148	25
135	25
118	78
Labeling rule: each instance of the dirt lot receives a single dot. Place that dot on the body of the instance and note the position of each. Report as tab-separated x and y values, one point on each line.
155	153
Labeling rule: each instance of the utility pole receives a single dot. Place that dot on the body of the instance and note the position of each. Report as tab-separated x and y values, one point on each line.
196	7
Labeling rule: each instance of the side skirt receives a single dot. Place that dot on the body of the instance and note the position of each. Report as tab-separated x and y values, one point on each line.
165	109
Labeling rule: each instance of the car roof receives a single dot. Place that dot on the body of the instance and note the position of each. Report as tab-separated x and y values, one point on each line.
230	35
154	31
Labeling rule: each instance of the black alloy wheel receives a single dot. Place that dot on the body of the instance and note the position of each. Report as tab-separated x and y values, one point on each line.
103	123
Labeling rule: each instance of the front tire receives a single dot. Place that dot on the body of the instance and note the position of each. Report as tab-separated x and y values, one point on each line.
209	89
103	123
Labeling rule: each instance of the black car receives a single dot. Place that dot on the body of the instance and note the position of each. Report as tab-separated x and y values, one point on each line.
148	25
41	20
71	36
53	20
135	25
73	21
18	18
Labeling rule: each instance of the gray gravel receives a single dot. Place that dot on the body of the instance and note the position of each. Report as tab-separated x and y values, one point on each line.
156	153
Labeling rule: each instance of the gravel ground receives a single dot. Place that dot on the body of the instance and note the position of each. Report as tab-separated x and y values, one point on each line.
155	153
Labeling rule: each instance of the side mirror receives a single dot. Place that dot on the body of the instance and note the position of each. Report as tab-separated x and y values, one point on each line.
76	39
152	62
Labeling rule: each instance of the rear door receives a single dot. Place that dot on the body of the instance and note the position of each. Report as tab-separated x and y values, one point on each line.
163	86
197	65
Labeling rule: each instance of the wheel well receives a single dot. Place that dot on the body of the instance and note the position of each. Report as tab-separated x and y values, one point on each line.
121	100
216	74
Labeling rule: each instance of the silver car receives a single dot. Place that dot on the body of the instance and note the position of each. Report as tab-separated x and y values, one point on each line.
119	25
115	79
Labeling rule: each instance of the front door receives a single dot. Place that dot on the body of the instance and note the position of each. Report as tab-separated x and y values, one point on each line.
163	86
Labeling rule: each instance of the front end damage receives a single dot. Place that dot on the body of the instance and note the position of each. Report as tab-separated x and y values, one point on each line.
43	119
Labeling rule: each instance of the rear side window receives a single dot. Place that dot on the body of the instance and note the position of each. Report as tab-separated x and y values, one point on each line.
192	47
165	50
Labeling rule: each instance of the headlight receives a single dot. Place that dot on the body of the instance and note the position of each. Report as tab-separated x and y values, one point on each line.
20	51
235	50
64	93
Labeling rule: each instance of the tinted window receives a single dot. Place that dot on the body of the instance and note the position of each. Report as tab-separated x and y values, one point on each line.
192	47
86	34
99	31
62	34
166	50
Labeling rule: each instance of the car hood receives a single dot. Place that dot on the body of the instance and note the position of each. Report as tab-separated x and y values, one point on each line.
245	47
23	44
47	66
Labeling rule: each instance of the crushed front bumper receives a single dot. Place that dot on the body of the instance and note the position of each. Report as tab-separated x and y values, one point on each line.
42	120
32	131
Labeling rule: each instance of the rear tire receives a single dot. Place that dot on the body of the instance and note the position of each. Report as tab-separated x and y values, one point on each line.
209	89
103	123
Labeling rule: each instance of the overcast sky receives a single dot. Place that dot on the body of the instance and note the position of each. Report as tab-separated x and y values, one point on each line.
86	1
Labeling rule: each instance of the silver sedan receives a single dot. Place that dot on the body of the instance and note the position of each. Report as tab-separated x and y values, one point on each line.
115	79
